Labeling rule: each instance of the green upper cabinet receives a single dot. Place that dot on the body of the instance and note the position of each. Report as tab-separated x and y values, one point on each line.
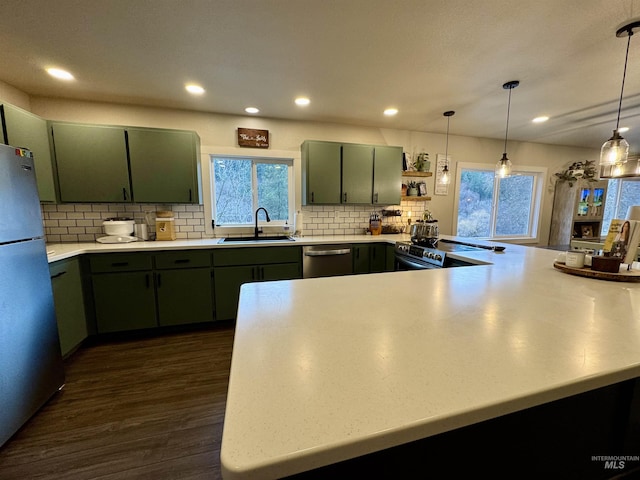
335	173
92	163
23	129
100	163
357	173
387	175
321	173
163	165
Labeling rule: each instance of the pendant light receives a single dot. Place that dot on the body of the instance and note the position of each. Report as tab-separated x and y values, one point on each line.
615	151
445	178
503	167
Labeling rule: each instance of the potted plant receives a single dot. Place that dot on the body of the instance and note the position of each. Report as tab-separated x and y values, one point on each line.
422	162
579	171
412	189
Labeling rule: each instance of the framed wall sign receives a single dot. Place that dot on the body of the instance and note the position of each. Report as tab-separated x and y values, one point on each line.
249	137
441	161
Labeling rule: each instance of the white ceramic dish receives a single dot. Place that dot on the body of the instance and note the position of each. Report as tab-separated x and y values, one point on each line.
113	227
116	239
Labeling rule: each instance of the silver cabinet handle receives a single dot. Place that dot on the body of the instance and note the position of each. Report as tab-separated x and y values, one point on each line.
319	253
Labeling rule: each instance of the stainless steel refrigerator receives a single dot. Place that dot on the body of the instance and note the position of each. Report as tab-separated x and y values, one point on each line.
31	367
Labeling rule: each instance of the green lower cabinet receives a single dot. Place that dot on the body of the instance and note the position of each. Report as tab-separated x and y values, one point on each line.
184	296
369	257
66	281
124	301
227	282
390	260
360	255
284	271
377	258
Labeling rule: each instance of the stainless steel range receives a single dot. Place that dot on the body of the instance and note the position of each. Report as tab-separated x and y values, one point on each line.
411	256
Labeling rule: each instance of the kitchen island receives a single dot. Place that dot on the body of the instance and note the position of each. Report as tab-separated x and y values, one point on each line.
332	369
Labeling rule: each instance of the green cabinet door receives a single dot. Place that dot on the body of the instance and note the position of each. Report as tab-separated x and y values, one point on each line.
184	296
357	174
390	260
387	175
369	257
360	254
282	271
227	282
377	258
66	282
163	165
124	301
321	172
24	129
92	163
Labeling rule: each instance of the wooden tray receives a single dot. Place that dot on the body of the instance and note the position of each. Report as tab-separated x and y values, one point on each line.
622	276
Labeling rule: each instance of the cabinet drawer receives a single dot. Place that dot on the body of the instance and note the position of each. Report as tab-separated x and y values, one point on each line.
256	256
183	259
119	262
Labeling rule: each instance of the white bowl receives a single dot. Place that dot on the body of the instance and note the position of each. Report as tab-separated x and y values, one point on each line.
118	227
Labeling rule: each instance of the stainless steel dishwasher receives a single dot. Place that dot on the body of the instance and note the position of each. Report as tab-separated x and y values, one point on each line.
326	260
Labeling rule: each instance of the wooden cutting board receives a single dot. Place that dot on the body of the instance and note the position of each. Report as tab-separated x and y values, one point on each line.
622	276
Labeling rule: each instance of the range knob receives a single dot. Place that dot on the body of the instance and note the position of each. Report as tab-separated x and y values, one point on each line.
438	257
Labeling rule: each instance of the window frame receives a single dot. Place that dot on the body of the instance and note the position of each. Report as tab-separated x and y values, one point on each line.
267	157
618	197
539	177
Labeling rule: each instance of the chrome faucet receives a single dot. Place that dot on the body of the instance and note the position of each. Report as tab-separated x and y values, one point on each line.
256	231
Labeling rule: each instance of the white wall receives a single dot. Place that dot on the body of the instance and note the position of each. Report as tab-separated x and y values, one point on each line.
14	96
219	131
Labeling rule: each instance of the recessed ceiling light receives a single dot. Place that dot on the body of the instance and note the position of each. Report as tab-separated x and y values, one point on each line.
390	112
59	74
251	110
302	101
195	89
540	119
623	129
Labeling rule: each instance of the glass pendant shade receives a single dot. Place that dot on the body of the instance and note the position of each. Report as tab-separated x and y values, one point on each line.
503	167
615	151
445	178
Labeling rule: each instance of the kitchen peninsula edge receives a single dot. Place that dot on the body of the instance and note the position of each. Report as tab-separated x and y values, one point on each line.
332	369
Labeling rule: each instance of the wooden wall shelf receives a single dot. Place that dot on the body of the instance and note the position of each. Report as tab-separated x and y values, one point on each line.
416	174
415	198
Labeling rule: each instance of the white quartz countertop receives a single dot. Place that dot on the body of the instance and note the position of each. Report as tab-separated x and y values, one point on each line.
61	251
328	369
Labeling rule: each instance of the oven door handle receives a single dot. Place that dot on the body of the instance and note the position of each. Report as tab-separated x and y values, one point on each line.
416	266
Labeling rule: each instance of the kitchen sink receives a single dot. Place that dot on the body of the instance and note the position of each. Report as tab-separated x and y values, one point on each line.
273	238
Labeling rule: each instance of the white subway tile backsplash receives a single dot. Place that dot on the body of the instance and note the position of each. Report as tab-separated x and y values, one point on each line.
83	222
352	219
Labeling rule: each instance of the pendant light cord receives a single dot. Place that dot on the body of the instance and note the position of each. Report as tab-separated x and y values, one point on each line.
624	76
446	148
506	133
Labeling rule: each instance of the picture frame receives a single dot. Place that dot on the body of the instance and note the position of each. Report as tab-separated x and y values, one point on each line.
422	189
587	231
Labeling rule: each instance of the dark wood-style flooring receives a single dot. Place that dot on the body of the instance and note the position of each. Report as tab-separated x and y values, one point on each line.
149	408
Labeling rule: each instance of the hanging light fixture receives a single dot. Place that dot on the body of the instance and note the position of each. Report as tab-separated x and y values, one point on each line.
445	178
503	167
615	151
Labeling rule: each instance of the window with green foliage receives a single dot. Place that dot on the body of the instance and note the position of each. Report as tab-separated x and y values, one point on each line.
498	208
243	184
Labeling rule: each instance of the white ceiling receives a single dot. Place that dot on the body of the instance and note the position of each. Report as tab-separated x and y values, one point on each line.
352	58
